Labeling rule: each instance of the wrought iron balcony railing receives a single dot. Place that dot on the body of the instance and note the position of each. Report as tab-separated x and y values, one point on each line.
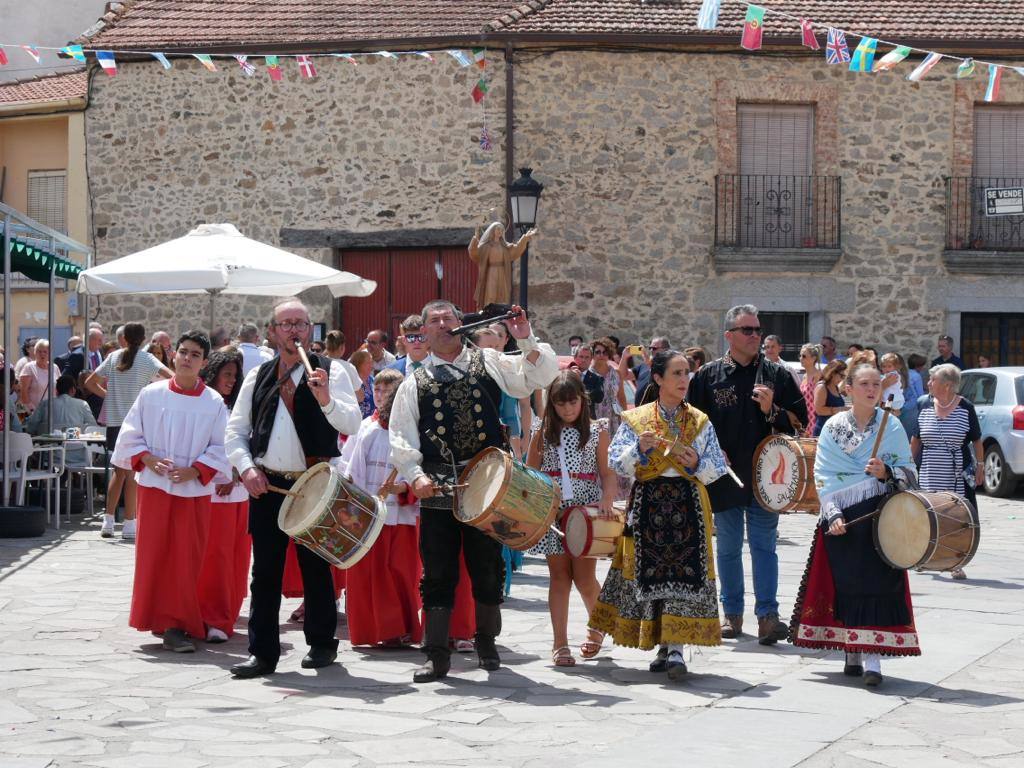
969	227
790	212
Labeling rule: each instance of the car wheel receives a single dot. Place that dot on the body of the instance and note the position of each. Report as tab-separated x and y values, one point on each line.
999	480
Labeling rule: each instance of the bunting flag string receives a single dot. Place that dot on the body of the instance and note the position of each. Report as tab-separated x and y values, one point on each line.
206	61
306	66
247	67
837	51
163	60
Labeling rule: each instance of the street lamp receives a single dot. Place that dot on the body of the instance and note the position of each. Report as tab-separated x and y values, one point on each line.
524	196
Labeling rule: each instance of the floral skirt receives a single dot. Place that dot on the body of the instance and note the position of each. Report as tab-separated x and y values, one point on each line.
691	617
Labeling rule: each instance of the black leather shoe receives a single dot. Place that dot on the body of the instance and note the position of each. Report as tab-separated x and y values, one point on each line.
319	657
253	667
853	668
435	668
660	663
872	679
675	666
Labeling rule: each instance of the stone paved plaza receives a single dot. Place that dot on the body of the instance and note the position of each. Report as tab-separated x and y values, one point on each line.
82	688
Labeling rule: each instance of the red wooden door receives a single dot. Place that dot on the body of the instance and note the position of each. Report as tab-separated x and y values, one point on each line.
406	280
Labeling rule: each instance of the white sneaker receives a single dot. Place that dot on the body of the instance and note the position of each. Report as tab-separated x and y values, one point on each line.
128	530
108	527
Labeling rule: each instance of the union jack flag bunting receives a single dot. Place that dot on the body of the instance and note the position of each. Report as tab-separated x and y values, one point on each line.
246	66
306	66
836	51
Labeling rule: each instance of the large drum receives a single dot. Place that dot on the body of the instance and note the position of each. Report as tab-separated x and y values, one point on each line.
332	516
927	531
507	500
591	533
784	474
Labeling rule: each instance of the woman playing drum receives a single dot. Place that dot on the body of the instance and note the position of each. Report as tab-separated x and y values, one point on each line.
573	450
661	586
850	599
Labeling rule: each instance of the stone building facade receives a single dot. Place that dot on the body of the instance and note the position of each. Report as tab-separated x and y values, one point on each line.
629	144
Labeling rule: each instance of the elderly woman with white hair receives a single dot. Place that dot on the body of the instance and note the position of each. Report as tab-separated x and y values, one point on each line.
34	375
948	429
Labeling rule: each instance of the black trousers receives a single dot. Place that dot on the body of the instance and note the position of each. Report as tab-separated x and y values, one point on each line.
442	537
269	547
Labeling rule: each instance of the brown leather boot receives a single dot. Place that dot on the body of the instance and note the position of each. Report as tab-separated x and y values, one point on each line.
770	629
732	626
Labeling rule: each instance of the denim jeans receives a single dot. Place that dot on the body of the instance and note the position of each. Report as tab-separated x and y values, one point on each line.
762	533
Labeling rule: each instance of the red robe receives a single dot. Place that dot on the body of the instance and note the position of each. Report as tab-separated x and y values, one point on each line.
224	576
383	602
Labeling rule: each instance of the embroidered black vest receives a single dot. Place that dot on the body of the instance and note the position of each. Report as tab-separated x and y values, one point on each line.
458	413
316	435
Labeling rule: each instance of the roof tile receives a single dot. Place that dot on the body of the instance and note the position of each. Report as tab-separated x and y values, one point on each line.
56	87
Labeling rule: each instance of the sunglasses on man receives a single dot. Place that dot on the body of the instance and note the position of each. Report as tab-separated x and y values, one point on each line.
747	330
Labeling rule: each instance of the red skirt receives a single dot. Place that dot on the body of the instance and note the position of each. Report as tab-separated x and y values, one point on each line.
383	601
169	547
291	584
463	622
815	624
224	576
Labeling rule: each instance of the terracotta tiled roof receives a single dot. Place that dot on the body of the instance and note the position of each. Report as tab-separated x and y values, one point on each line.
888	19
165	24
68	85
172	23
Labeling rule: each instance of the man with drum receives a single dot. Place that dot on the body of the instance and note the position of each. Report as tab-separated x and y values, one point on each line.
284	421
446	413
747	397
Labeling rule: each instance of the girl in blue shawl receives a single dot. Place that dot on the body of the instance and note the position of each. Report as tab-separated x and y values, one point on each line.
850	599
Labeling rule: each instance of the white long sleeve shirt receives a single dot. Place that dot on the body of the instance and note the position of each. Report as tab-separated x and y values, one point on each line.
365	460
513	374
284	451
185	427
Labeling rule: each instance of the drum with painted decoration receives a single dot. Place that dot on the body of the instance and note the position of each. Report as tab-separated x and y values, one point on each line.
784	474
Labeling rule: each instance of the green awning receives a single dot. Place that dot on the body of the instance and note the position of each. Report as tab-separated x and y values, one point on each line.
35	263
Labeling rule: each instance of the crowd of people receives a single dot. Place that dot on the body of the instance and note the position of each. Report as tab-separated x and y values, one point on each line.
207	436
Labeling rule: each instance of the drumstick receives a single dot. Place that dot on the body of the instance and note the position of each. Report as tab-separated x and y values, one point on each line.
672	445
282	491
305	359
734	476
887	408
382	492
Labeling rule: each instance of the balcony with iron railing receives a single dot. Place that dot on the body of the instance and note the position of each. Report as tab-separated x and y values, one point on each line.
980	240
777	223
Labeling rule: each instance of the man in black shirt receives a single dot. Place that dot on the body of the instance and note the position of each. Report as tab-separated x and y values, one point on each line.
747	397
946	353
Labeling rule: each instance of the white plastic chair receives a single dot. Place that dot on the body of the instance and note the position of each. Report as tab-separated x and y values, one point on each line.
21	450
85	470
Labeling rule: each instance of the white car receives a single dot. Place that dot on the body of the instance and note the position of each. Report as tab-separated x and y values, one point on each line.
998	396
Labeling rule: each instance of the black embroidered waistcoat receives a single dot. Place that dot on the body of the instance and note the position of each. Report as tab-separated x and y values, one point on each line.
458	413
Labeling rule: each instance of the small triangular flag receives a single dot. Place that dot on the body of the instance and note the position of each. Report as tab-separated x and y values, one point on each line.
480	90
74	51
424	55
3	57
387	54
206	61
162	59
273	68
460	56
480	57
306	66
247	66
31	51
345	57
106	60
966	69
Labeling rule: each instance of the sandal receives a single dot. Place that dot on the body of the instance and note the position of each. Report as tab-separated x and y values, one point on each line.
591	646
562	657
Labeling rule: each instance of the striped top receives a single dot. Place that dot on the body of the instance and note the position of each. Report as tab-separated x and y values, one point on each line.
124	386
944	444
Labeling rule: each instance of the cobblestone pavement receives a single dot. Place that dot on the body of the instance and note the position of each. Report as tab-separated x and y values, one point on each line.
82	688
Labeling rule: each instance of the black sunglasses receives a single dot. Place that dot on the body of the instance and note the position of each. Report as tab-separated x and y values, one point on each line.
748	330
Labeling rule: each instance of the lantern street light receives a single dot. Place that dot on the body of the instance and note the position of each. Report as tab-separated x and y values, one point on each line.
524	197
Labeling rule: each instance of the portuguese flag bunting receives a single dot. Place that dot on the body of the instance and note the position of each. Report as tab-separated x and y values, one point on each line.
752	28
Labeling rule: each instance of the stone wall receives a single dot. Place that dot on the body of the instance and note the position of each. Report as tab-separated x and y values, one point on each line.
384	144
628	145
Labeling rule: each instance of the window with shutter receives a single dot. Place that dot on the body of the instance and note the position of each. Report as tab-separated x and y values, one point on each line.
47	194
998	162
776	161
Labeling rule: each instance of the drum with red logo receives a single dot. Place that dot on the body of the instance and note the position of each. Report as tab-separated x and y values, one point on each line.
784	474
